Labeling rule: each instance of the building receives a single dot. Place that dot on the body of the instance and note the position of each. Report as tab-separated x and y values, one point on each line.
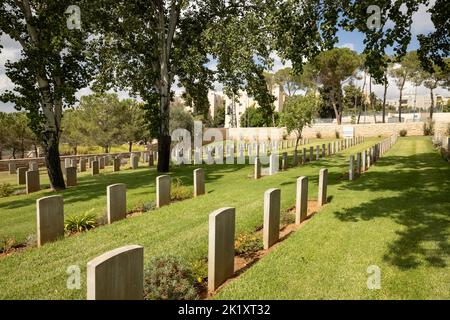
422	103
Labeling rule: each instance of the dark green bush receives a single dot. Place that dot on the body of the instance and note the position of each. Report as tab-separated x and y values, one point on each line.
167	279
80	223
403	133
318	135
178	191
6	190
428	128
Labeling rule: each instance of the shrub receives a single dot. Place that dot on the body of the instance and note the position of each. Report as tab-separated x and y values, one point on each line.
80	223
428	128
199	270
167	279
247	244
287	218
7	243
318	135
178	191
403	133
142	206
337	134
31	240
6	190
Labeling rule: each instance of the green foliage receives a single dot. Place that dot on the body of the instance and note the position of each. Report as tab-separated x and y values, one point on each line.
428	127
403	133
181	119
298	112
178	191
252	117
80	223
6	190
219	117
286	218
199	270
166	278
288	80
318	135
15	133
247	244
7	243
142	206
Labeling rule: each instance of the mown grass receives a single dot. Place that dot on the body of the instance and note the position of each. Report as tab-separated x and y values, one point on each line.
180	228
397	217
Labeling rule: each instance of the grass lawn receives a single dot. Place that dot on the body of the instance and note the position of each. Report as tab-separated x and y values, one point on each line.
180	228
397	217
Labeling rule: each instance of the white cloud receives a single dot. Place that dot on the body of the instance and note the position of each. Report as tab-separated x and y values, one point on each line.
351	46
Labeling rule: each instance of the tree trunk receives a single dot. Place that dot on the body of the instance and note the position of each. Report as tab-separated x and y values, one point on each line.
432	103
384	99
130	146
1	153
400	106
36	151
53	162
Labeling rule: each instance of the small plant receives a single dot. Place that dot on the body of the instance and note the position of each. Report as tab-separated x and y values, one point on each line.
167	279
403	133
178	191
337	134
428	128
7	243
20	192
6	190
287	218
80	223
31	240
247	244
199	270
142	206
318	135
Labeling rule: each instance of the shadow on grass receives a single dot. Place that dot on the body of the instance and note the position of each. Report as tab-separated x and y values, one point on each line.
421	205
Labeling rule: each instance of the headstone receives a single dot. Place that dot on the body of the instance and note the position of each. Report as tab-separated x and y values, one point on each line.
134	161
32	181
71	176
95	167
257	173
162	190
273	164
323	182
12	168
101	162
117	275
83	165
324	150
317	152
199	182
151	161
271	229
116	199
304	155
67	163
301	203
363	161
311	154
74	163
21	175
49	218
351	168
284	161
295	159
220	247
329	150
358	163
116	164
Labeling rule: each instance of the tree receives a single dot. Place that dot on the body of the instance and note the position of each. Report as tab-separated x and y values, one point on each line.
437	77
252	117
53	66
73	129
103	119
133	127
299	111
288	80
181	119
219	117
332	68
147	45
353	98
402	72
19	137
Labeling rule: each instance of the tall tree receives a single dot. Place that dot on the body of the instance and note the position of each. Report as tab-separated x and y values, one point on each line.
147	45
52	67
288	80
433	79
73	129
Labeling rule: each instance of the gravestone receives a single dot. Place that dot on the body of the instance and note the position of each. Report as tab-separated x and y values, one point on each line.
34	166
116	164
21	175
257	173
363	161
284	161
295	159
71	176
273	164
67	163
49	218
351	168
323	182
311	154
117	275
304	156
116	202
101	162
151	161
12	168
83	165
301	203
323	150
358	163
95	167
271	228
74	163
329	150
134	161
220	247
32	181
317	152
199	182
162	190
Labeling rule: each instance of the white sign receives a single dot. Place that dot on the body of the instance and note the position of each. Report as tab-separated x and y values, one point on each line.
349	132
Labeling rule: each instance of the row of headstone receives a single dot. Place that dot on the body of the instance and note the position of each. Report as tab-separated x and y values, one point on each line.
314	154
365	159
119	274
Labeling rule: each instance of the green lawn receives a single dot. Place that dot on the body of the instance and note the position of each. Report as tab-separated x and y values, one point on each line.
397	217
177	229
